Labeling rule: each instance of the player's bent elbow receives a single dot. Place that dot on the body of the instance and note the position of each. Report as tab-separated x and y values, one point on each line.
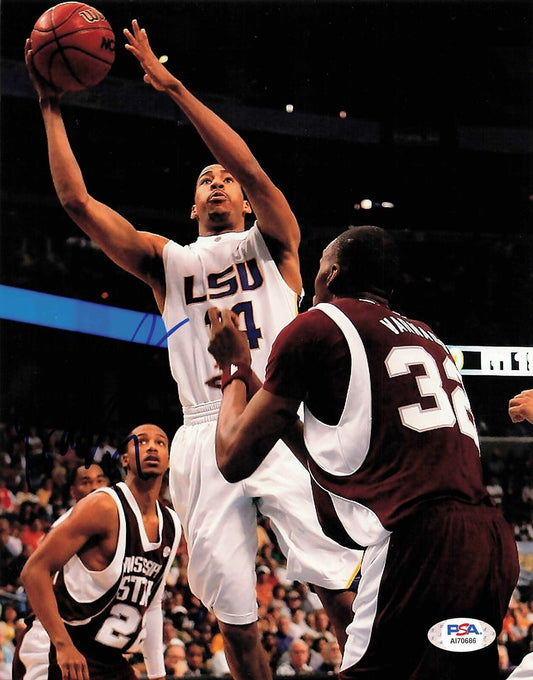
26	576
229	472
231	475
228	469
75	204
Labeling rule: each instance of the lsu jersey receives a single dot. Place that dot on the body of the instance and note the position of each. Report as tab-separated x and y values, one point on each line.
233	271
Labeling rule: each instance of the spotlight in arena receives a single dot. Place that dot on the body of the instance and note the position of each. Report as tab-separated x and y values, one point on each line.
366	204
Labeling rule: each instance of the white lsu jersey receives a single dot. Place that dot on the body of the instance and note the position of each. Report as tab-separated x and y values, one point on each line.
233	271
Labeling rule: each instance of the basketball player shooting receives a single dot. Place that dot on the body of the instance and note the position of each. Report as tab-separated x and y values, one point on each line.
238	268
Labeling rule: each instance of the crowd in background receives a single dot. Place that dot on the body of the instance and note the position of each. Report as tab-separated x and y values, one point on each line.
37	468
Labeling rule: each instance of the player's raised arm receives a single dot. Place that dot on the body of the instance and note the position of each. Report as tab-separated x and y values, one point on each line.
245	433
137	252
274	216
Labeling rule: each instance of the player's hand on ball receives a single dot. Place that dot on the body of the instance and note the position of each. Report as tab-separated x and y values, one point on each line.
43	89
227	344
156	74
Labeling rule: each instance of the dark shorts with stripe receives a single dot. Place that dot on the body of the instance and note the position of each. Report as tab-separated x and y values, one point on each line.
450	561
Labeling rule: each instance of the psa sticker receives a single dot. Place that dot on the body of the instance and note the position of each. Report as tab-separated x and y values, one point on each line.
461	635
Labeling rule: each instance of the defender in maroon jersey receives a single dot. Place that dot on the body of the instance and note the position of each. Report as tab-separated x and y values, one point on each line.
392	449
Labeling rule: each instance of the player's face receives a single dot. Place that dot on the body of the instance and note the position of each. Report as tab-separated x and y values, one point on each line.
87	480
326	272
147	455
219	204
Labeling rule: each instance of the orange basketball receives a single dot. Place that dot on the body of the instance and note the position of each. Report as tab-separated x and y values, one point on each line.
73	46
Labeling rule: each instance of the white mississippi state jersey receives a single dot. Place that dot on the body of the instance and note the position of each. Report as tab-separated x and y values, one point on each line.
230	271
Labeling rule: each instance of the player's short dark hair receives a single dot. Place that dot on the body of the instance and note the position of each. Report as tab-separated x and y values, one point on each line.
369	262
73	474
122	447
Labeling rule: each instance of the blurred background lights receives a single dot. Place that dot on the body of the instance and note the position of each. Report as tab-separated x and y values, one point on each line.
163	59
342	114
368	204
289	108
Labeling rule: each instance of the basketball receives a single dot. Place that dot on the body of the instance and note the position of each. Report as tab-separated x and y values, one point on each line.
73	46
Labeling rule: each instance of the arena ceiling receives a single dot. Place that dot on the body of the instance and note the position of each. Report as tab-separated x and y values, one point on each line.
419	82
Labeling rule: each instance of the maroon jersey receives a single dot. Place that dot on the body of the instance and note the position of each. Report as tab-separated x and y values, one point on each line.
387	423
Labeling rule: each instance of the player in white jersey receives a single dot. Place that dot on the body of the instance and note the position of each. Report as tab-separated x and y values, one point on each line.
232	267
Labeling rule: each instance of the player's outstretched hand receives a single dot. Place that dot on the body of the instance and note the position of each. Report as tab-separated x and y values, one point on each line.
43	89
521	407
155	74
227	344
73	664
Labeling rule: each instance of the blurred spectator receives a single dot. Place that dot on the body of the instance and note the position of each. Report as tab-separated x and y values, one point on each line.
9	538
527	494
210	633
495	490
309	601
270	644
10	616
7	647
265	584
269	620
298	626
102	448
170	634
218	665
283	637
332	658
294	600
515	629
32	534
174	657
279	593
34	442
10	572
523	531
317	651
503	655
322	625
205	638
298	658
5	668
195	657
138	665
7	498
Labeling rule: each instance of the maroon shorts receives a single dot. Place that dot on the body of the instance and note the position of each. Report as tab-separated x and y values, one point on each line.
450	561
